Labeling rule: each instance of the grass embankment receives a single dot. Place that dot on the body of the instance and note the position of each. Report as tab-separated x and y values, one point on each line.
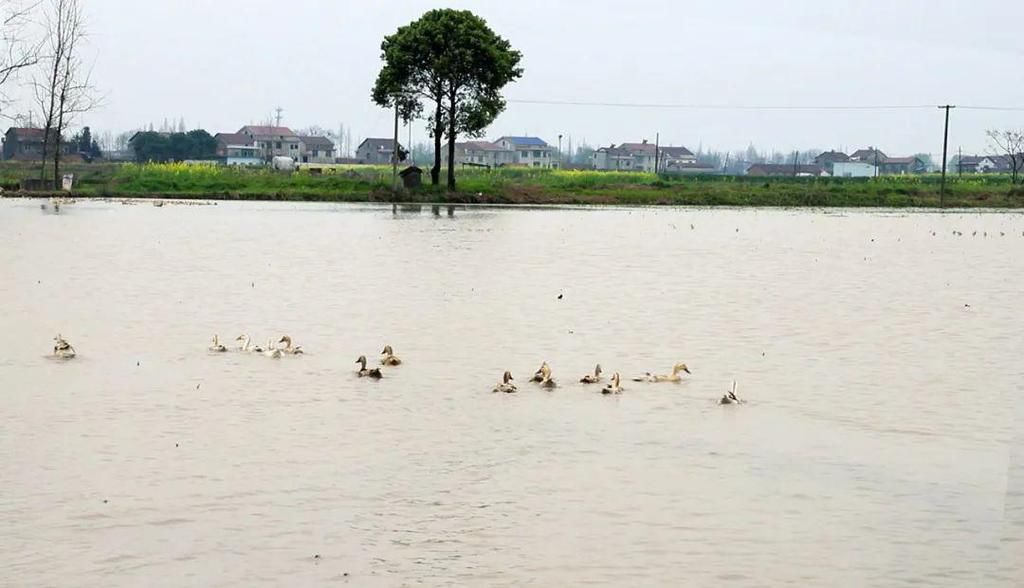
529	186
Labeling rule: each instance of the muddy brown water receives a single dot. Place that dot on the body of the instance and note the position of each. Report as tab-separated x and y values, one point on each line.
880	445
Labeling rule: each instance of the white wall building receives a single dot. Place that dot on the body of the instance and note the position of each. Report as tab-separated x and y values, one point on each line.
853	169
530	151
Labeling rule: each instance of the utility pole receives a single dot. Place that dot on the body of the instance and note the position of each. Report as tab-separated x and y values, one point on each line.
278	110
657	151
959	162
394	152
559	151
796	163
875	151
945	147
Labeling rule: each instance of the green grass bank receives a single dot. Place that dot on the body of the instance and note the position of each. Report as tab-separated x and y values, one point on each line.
525	186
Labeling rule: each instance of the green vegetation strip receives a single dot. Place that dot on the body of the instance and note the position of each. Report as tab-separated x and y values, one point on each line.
524	186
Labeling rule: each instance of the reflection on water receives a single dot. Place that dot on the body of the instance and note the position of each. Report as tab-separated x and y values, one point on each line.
880	362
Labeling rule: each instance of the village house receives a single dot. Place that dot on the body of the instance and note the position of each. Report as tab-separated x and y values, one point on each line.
26	144
982	164
901	166
612	158
647	157
378	151
483	154
680	160
316	150
785	169
828	159
273	141
238	149
530	151
853	169
869	155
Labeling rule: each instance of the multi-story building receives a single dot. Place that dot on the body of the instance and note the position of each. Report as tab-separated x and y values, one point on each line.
378	151
530	151
483	154
273	141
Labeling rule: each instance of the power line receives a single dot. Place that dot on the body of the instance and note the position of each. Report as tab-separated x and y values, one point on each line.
751	106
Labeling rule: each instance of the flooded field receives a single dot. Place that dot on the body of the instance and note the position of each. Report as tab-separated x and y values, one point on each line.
879	352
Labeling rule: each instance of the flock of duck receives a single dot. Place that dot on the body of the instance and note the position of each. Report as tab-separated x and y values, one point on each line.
543	378
62	349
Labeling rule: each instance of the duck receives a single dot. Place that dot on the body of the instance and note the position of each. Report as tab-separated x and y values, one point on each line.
730	396
217	347
271	351
675	377
546	381
247	346
375	373
592	379
506	386
288	349
62	349
389	357
613	387
538	376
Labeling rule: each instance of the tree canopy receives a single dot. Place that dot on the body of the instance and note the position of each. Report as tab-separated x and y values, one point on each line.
452	60
152	146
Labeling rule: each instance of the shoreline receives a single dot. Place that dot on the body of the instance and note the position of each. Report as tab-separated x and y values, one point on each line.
568	202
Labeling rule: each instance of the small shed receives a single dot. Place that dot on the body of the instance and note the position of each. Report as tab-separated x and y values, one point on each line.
412	177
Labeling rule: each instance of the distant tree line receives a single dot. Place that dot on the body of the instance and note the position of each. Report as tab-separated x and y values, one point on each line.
163	147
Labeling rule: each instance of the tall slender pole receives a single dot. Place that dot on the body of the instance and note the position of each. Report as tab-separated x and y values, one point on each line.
657	152
394	152
959	162
945	147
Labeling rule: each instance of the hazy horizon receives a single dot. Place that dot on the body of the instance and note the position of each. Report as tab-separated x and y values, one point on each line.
230	63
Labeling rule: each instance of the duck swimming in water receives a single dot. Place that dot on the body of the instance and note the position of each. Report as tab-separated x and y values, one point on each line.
538	376
217	347
288	349
614	387
62	349
730	396
506	386
271	351
247	346
592	379
675	377
389	357
375	373
546	381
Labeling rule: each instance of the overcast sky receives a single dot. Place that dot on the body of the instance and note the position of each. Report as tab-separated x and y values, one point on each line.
225	63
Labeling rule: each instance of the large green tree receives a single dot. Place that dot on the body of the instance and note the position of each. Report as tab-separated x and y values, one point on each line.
453	62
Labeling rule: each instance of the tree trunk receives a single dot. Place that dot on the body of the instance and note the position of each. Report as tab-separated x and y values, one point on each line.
451	149
435	172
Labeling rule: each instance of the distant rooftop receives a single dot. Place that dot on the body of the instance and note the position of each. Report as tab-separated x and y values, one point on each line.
525	141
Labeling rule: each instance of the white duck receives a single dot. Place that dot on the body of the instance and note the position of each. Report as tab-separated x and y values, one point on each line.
270	351
614	387
217	347
288	349
546	381
506	386
389	357
62	349
655	378
247	346
730	396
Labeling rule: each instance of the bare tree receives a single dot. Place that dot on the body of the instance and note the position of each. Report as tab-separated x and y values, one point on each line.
16	53
64	90
1009	144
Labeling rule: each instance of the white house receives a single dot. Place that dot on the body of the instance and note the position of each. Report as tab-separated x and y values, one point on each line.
853	169
530	151
643	156
483	154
